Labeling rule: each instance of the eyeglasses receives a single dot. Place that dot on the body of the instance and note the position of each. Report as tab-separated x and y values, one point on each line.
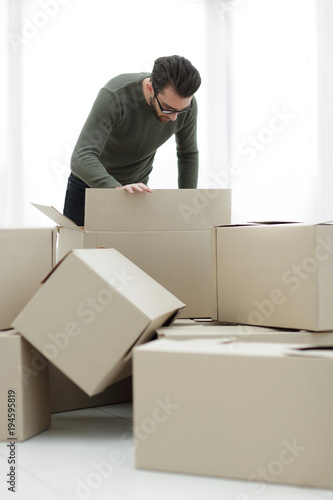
170	111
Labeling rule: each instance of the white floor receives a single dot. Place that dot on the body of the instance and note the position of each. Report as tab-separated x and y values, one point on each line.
89	454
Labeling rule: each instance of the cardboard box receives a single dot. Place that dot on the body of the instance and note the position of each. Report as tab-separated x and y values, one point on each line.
250	412
245	333
166	233
164	209
277	275
91	310
64	395
26	255
24	390
67	396
178	260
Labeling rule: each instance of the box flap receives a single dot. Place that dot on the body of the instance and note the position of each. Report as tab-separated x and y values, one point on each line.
57	217
323	351
163	209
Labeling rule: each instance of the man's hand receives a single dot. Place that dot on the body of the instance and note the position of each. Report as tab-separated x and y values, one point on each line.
135	187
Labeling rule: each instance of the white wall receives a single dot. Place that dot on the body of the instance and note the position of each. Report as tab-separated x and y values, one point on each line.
275	173
3	115
325	22
257	58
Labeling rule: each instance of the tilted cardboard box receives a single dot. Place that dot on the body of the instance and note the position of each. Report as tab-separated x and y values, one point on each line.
278	275
64	395
91	310
24	390
235	410
26	255
245	333
67	396
166	233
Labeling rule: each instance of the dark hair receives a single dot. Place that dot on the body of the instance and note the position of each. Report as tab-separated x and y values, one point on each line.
177	72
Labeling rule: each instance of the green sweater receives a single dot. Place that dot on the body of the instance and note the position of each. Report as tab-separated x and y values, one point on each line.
119	140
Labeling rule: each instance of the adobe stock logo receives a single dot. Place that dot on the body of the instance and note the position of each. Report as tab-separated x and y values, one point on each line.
290	452
32	367
300	272
253	145
287	456
163	410
101	472
200	201
85	313
148	426
266	135
62	169
294	278
223	7
31	26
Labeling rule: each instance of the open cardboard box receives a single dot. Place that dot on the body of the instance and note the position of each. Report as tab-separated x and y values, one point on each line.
89	313
166	233
238	410
274	274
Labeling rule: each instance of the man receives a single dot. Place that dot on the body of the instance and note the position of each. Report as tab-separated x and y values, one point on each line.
133	115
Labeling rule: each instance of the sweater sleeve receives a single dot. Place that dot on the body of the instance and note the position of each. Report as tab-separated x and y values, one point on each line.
85	164
187	151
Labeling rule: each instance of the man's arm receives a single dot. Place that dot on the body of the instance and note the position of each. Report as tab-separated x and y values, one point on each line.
85	164
187	151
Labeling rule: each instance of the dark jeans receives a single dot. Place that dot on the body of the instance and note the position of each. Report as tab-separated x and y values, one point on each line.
75	200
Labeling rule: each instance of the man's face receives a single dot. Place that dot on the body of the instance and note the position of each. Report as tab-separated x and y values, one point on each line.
169	100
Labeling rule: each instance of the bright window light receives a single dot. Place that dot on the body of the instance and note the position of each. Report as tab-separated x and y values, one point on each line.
69	54
274	170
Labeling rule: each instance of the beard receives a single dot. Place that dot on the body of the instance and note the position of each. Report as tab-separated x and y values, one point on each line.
161	118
